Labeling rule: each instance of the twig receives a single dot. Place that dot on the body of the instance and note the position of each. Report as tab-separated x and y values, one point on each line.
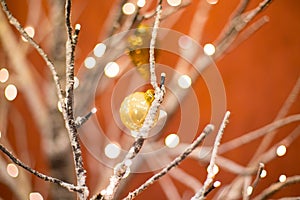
81	120
277	187
258	175
122	167
152	47
208	129
66	185
287	141
255	182
211	174
246	138
49	63
68	112
282	112
237	24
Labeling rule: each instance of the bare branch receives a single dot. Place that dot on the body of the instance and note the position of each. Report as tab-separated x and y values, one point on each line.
68	111
277	187
30	40
211	174
66	185
121	168
246	138
208	129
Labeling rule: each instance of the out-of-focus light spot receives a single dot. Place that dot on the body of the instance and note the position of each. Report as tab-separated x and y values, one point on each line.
30	31
94	110
282	178
0	134
172	140
141	3
281	150
111	69
35	196
99	50
76	82
77	27
212	1
59	107
128	8
174	2
217	184
89	62
263	173
112	151
209	49
12	170
11	92
215	169
184	42
249	190
184	81
4	75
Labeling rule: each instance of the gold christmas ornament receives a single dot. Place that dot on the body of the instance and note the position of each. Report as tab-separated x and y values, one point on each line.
138	49
134	109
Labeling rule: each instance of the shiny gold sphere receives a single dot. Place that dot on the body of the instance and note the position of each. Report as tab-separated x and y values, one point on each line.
134	109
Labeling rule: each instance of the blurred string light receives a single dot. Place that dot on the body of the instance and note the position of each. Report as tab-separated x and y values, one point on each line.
99	50
281	150
209	49
174	3
12	170
30	31
215	169
112	151
141	3
128	8
184	81
4	75
217	184
263	173
282	178
111	69
172	140
249	190
11	92
212	1
35	196
89	62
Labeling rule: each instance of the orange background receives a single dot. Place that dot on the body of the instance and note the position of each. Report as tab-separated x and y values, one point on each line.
258	77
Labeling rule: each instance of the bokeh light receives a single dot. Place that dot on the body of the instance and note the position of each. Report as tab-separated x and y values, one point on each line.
12	170
128	8
112	151
4	75
11	92
172	140
209	49
30	31
281	150
89	62
111	69
184	81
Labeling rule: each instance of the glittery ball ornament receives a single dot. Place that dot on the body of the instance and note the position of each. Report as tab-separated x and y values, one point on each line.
134	109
